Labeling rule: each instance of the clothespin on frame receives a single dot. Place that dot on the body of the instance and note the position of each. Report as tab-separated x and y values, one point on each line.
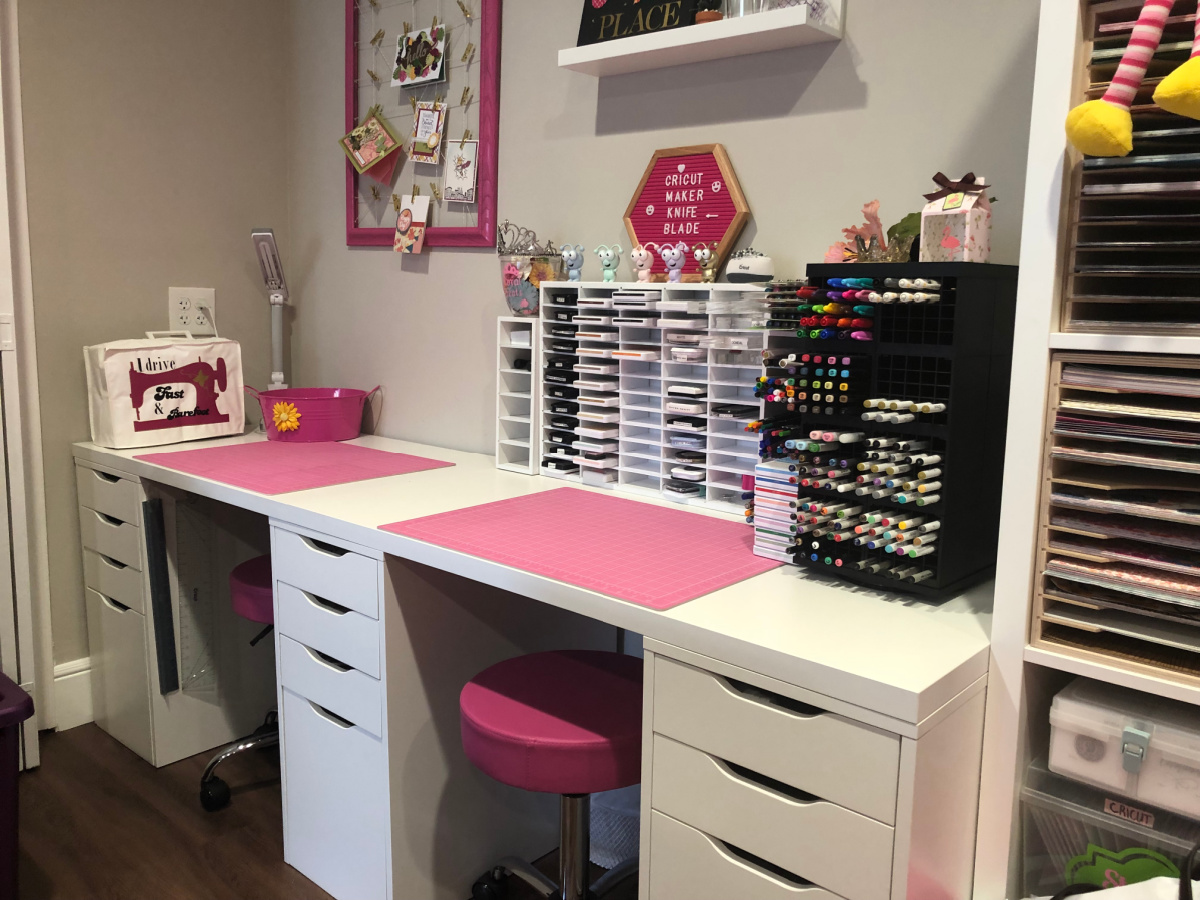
433	27
374	192
466	137
378	38
466	96
466	10
413	101
373	76
468	53
396	202
376	109
374	4
437	194
407	27
416	190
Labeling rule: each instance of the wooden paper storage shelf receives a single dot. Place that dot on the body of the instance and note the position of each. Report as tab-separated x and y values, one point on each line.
1133	223
1118	560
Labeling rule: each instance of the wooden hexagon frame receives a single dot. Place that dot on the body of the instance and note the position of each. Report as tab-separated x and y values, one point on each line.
741	207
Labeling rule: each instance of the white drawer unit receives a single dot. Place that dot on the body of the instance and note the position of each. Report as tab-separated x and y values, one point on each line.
339	688
114	579
328	571
834	847
699	867
335	800
328	627
120	673
840	760
108	493
110	536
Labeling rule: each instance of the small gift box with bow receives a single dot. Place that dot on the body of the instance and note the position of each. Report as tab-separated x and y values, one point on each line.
956	223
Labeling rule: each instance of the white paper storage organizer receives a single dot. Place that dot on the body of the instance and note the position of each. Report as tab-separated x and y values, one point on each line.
624	400
517	402
1119	538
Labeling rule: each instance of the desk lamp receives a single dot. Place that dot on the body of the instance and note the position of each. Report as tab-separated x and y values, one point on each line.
272	273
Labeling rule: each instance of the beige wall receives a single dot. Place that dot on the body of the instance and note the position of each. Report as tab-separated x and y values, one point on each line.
813	133
154	137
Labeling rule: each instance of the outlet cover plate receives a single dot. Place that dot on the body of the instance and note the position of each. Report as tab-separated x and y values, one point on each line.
189	310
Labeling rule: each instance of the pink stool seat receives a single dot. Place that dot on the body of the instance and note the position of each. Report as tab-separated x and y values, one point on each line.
564	722
250	590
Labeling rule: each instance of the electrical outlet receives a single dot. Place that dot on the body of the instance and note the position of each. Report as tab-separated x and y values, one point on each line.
190	309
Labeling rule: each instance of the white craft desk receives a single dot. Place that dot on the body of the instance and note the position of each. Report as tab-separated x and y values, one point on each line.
882	696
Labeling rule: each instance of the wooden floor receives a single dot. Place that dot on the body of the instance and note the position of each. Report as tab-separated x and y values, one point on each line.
97	821
100	823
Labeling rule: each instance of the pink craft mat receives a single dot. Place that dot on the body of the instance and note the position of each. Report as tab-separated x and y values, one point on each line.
276	467
648	555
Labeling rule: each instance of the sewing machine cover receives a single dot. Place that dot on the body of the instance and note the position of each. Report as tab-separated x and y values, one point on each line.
145	393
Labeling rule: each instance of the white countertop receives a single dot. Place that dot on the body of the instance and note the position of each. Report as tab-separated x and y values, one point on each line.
892	654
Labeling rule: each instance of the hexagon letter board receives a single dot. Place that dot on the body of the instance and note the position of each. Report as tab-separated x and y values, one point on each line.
688	194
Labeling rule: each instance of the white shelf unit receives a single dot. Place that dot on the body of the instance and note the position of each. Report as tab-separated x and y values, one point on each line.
775	29
1023	679
517	402
630	398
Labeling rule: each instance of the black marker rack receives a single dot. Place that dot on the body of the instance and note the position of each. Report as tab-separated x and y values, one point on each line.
957	352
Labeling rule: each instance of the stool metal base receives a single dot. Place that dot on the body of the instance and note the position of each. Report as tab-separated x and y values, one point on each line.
573	860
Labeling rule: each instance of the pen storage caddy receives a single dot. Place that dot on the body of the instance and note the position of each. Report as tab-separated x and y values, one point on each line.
524	265
951	358
312	415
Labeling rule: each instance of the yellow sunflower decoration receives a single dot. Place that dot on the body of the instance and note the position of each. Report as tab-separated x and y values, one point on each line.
287	417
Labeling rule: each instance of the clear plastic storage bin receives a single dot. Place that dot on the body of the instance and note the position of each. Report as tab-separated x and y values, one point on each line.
1074	834
1144	747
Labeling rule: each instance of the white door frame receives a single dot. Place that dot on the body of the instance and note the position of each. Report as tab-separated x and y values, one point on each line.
21	410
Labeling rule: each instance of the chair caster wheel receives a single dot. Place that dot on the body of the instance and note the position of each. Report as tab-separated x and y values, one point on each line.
214	794
490	886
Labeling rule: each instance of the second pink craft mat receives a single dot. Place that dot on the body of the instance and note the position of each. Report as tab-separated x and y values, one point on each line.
277	467
649	555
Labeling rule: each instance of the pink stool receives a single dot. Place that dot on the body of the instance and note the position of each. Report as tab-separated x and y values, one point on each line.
567	722
250	594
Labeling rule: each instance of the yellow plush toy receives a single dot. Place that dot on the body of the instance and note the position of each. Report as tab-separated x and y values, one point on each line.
1104	127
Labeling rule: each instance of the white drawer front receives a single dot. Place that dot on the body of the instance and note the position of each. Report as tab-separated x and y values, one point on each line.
344	634
113	496
846	762
686	863
113	579
335	828
348	579
120	674
325	681
838	849
118	540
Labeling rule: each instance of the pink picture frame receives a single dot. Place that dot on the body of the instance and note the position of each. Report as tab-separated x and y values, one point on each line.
483	233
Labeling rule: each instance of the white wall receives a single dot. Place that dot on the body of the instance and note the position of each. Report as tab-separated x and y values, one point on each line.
154	140
813	134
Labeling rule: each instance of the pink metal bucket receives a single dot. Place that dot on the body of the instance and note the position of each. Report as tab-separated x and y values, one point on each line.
307	415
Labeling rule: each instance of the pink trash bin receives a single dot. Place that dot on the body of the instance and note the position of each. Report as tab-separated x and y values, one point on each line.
314	414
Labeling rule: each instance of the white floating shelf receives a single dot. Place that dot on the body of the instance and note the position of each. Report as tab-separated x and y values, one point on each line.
757	33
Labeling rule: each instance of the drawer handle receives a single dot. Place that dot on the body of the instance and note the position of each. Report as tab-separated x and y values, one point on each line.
322	547
325	659
108	520
116	605
767	870
741	773
112	563
104	476
770	698
328	605
333	717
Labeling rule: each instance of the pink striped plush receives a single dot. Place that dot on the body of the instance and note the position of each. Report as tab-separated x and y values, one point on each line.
1144	41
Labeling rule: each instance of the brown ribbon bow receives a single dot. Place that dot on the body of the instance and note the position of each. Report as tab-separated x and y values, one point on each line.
965	185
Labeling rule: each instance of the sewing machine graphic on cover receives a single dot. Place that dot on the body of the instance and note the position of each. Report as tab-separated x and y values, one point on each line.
170	388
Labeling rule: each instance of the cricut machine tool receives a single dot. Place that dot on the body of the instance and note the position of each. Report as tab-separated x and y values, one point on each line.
272	272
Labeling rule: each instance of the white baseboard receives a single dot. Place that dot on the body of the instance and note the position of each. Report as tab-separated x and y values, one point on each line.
72	693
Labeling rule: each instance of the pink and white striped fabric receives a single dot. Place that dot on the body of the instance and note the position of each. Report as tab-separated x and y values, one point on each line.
1143	43
1196	39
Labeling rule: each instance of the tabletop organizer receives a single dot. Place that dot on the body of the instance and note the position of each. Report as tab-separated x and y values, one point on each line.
1119	540
920	387
615	378
1133	222
517	403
